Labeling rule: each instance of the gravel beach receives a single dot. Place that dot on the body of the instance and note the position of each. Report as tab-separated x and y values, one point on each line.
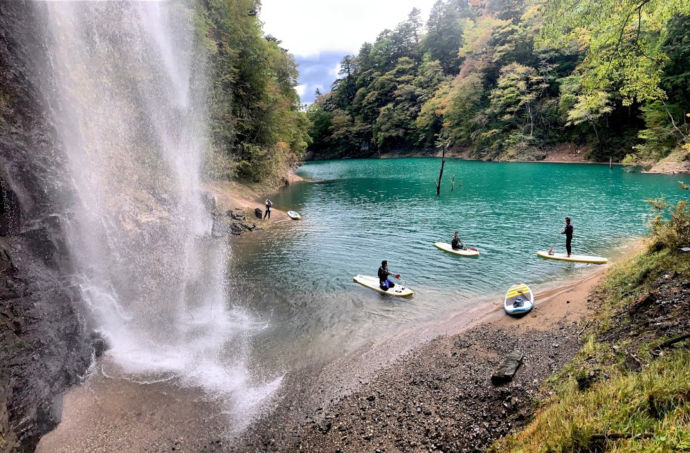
431	394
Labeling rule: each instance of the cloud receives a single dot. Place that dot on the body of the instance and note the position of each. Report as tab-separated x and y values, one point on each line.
309	27
319	33
316	72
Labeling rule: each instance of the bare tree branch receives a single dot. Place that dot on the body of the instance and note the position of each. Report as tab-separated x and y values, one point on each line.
673	122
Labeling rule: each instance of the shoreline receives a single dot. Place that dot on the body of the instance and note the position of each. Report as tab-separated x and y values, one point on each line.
245	198
117	414
464	157
660	168
414	386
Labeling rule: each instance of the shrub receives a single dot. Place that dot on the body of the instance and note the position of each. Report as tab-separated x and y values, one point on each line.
670	227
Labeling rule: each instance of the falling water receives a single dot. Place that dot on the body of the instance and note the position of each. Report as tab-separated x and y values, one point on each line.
125	85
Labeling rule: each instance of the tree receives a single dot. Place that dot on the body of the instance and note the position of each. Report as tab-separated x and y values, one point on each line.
463	118
516	97
579	107
444	35
257	128
621	42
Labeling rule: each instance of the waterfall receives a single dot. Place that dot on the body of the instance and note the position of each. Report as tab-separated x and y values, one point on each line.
125	84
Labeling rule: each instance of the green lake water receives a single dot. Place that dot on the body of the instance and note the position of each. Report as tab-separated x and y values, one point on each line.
297	278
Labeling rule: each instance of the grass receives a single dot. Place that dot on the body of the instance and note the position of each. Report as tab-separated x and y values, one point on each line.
652	407
601	401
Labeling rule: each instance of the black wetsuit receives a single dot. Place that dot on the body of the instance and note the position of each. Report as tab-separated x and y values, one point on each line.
384	283
457	244
568	231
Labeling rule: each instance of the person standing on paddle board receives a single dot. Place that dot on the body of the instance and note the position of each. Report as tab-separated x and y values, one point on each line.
568	231
384	282
268	209
457	243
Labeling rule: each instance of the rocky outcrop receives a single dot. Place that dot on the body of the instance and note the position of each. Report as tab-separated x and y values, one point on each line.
43	343
507	369
234	223
677	162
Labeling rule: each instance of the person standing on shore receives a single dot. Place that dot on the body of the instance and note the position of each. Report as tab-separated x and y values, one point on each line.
384	282
267	214
568	231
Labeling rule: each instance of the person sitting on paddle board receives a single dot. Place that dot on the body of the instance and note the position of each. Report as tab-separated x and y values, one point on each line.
457	243
568	231
384	282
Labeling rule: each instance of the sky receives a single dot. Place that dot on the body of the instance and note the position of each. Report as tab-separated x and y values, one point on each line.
319	33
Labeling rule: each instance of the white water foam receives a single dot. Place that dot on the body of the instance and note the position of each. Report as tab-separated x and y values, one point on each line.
126	89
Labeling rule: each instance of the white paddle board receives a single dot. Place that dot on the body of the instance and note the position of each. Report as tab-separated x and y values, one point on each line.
373	283
448	248
294	215
573	258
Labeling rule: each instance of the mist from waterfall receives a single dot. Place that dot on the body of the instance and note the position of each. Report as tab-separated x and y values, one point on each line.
126	86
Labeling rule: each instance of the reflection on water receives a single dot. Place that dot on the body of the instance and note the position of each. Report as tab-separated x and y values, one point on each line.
298	276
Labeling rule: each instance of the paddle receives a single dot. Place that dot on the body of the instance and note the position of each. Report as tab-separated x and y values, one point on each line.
550	252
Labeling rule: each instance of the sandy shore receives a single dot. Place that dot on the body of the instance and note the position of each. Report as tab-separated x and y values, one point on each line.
240	197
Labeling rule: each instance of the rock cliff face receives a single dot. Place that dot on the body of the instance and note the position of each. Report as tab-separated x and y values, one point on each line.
44	347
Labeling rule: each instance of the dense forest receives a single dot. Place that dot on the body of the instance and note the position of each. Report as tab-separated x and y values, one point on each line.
510	79
257	128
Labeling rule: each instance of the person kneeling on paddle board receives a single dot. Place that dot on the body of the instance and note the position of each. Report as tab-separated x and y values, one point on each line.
568	231
457	243
384	282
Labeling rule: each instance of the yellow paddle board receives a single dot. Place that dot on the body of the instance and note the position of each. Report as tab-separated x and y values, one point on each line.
519	300
573	258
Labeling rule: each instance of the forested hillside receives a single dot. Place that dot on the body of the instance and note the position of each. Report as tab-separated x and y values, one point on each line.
510	79
257	128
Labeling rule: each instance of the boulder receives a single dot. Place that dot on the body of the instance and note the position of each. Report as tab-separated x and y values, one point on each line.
209	201
507	369
236	228
220	228
258	213
98	343
632	364
236	215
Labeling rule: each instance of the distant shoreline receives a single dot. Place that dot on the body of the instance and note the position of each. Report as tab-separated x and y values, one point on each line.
662	168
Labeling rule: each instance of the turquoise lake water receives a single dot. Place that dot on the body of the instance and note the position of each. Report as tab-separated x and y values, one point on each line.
297	278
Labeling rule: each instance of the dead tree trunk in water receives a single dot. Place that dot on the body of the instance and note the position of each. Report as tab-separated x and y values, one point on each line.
440	175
